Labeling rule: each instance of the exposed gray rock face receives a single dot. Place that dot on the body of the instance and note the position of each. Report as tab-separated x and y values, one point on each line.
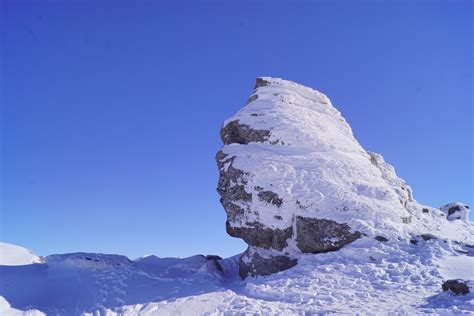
322	235
231	187
458	287
455	211
261	82
270	197
237	133
252	98
254	264
256	234
427	237
418	238
381	238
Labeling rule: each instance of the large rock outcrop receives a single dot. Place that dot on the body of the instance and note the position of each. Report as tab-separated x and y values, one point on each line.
294	180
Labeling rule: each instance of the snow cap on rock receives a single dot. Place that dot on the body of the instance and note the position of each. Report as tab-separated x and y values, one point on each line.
293	179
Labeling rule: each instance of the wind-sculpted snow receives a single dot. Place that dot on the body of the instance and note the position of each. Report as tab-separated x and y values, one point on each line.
70	284
12	255
456	211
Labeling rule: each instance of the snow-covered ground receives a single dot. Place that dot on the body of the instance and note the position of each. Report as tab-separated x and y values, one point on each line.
12	255
367	276
6	309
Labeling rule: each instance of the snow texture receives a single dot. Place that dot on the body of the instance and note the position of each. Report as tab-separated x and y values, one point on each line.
309	166
6	309
12	255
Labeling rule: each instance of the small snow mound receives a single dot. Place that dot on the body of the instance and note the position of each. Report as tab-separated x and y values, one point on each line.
7	310
13	255
455	211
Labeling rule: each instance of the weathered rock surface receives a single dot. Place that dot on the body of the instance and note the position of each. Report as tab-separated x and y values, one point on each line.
238	133
458	287
294	180
322	235
381	238
252	264
256	234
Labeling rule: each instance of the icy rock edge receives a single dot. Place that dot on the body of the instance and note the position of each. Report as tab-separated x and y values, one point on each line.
294	180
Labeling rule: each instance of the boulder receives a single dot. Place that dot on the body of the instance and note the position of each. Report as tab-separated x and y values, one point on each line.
251	263
458	287
455	211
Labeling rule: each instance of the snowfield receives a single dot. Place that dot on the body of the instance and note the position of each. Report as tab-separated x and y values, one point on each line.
12	255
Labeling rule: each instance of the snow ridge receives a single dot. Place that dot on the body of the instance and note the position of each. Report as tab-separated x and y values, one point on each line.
13	255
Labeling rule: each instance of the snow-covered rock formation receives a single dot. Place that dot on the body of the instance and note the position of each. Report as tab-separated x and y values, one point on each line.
294	180
455	211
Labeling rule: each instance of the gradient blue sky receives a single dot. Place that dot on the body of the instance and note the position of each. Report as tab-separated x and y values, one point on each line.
111	110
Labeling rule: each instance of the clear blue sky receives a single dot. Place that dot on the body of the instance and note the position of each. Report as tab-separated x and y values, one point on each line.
112	109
